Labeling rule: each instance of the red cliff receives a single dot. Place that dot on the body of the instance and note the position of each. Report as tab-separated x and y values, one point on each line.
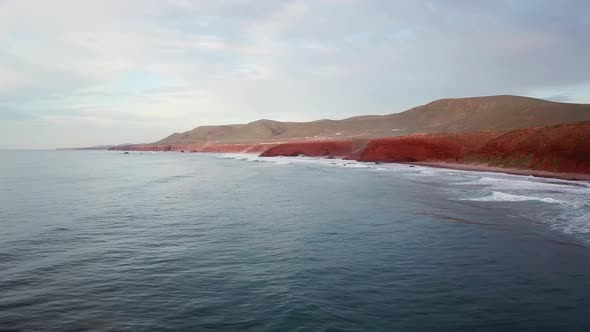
336	148
561	148
425	147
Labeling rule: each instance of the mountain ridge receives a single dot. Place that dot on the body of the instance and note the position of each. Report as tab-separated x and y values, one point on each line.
448	115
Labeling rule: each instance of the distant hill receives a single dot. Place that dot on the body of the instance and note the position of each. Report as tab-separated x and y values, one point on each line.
457	115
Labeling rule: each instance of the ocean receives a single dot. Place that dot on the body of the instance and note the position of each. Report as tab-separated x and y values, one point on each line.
102	241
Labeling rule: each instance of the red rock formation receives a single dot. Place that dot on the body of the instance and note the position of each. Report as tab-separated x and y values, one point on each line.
234	148
337	148
561	148
424	147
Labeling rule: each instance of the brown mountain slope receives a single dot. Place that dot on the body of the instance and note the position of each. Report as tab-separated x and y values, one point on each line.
446	115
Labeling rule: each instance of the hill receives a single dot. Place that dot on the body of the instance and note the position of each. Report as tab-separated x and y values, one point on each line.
457	115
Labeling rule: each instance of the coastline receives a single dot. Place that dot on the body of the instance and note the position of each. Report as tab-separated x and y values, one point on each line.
506	170
482	168
435	164
559	151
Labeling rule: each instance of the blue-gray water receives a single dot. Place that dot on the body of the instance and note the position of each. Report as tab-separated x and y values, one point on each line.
152	242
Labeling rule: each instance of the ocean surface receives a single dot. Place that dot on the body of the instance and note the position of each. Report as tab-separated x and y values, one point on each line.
102	241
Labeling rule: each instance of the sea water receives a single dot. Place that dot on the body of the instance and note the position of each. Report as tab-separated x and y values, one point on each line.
102	241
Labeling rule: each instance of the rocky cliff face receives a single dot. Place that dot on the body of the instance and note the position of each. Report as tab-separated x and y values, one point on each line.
561	148
335	148
425	147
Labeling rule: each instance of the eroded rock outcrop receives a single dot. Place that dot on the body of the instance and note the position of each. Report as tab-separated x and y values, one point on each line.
335	148
425	147
561	148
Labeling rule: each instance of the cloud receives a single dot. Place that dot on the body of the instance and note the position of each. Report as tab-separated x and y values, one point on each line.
176	64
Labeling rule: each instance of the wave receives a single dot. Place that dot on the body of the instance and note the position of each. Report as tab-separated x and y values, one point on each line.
497	196
529	183
565	206
579	224
510	188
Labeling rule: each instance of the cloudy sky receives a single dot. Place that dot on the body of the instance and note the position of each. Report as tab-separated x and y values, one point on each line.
83	72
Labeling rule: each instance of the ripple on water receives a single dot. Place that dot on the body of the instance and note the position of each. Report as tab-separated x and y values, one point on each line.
177	242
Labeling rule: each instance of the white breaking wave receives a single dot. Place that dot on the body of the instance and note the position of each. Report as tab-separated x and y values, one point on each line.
497	196
567	208
573	194
565	205
519	182
574	224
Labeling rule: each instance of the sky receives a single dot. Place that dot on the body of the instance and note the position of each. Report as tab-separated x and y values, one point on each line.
79	73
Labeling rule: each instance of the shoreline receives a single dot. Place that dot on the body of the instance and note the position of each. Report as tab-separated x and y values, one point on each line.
465	167
511	171
437	164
